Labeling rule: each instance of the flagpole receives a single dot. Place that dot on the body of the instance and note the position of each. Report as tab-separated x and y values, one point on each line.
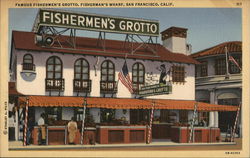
227	66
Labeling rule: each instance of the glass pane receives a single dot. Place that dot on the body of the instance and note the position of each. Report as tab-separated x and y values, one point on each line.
84	77
104	78
104	71
111	71
58	68
50	61
27	57
104	64
50	74
141	73
111	65
140	66
135	66
140	79
57	61
84	63
134	79
111	78
50	68
77	69
77	76
27	61
84	70
78	62
58	75
134	72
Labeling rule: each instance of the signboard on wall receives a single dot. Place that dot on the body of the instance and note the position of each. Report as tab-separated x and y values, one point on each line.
156	89
94	22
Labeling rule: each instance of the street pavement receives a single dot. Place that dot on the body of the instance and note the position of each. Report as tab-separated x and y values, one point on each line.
155	145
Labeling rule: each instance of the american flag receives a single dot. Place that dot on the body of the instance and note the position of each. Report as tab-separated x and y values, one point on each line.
125	78
230	58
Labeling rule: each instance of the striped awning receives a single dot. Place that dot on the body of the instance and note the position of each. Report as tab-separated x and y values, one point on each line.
120	103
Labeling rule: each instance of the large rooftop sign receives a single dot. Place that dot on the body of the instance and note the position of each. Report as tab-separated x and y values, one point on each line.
96	22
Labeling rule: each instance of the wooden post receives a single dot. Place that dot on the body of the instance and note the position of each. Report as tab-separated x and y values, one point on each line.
151	121
26	122
83	118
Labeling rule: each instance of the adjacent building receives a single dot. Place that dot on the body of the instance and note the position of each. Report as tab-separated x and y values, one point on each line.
219	80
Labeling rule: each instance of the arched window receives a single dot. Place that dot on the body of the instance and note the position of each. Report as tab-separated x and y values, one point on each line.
54	68
28	62
108	84
81	76
138	76
54	80
107	71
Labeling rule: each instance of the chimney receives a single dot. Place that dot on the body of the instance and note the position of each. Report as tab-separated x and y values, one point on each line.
174	39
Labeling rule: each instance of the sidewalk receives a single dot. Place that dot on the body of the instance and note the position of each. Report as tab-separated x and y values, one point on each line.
17	145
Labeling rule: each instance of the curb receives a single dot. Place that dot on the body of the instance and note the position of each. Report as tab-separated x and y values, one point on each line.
114	146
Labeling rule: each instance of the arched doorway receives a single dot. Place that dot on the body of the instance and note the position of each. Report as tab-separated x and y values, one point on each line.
227	119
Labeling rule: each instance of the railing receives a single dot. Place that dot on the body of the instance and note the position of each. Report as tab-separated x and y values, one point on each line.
82	85
29	66
217	78
54	84
108	87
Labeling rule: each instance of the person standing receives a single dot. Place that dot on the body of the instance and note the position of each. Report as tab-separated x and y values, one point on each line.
72	129
42	130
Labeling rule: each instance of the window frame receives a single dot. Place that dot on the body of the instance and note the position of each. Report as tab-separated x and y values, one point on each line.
108	70
137	84
203	69
178	73
83	83
220	66
81	68
137	75
28	54
28	65
54	83
233	69
54	65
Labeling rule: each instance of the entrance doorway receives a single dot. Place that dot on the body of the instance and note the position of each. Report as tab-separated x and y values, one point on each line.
227	119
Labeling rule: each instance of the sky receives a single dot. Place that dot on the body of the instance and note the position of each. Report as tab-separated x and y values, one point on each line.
207	27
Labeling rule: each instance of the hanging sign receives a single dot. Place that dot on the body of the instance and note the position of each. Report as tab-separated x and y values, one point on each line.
94	22
156	89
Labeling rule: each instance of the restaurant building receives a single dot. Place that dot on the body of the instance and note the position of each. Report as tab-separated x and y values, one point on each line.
219	81
133	91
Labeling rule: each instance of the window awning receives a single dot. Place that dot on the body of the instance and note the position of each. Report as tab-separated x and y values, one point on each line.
121	103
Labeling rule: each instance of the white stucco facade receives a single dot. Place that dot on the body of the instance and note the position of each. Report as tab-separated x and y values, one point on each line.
35	83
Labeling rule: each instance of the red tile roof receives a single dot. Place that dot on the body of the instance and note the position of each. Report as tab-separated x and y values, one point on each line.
121	103
232	46
88	46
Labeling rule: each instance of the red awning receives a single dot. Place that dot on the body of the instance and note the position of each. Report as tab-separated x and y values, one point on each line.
121	103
